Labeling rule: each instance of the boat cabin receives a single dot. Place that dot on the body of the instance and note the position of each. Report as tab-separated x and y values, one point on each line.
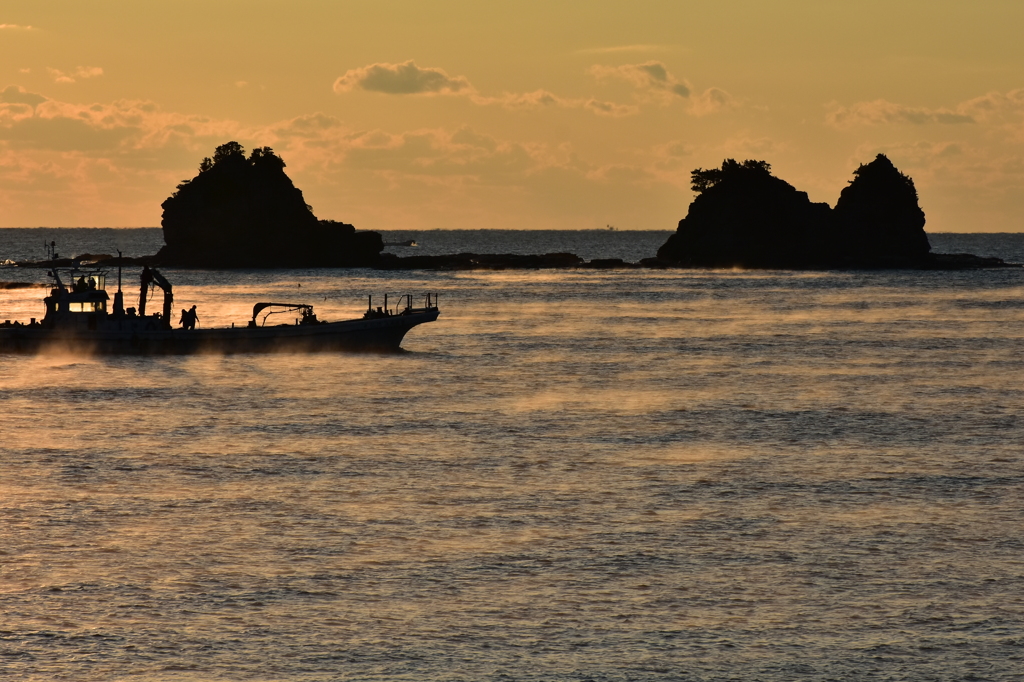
81	304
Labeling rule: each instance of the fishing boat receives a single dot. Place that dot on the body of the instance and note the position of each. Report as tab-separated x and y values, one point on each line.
77	319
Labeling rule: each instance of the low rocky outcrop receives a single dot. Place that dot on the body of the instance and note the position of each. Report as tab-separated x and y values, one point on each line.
743	216
245	212
481	261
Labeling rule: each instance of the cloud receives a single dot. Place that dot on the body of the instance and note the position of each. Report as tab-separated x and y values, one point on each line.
620	174
675	149
712	101
993	106
322	148
433	177
113	162
882	112
672	161
653	81
923	155
63	134
526	100
14	94
121	128
610	108
71	76
542	98
651	76
467	136
309	127
750	147
615	49
15	27
409	79
402	79
993	109
460	156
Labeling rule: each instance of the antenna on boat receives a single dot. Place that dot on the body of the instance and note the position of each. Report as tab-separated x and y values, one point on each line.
118	297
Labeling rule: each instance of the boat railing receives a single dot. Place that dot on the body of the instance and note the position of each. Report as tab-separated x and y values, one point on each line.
403	306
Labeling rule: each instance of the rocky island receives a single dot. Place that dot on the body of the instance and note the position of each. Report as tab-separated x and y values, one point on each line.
245	212
743	216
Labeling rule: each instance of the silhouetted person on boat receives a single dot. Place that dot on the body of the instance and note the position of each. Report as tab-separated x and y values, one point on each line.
189	318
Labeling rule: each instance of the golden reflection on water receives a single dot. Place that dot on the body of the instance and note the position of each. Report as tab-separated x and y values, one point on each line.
632	475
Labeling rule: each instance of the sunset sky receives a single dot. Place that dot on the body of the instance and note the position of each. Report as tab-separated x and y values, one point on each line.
415	115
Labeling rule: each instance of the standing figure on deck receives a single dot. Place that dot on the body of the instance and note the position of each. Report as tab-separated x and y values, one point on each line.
188	318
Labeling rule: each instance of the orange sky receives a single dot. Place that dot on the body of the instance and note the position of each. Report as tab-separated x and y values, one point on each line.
401	115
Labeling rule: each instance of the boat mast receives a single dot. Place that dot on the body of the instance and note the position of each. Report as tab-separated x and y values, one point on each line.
118	297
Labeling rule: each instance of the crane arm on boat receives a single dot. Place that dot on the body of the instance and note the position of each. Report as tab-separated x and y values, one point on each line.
153	276
307	310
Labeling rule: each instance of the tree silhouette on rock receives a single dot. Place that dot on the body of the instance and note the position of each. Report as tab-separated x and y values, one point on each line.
245	212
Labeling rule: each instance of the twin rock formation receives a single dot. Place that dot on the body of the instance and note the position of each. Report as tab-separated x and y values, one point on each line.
743	216
245	212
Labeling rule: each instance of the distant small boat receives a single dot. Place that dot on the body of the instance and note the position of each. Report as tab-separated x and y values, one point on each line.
77	320
407	242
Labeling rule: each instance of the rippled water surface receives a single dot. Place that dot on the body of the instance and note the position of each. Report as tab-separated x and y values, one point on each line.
572	475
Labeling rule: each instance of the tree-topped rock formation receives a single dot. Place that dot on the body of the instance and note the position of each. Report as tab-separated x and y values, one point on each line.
743	216
879	218
245	212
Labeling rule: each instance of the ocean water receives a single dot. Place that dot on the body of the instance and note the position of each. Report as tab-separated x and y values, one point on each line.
22	244
571	475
